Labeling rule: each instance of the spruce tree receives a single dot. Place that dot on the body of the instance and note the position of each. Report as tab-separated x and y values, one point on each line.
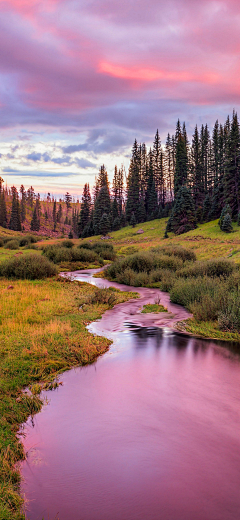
227	224
15	219
133	182
133	221
104	225
232	171
35	222
182	217
68	200
23	203
3	209
181	167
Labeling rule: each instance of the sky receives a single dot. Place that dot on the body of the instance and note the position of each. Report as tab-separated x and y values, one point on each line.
81	79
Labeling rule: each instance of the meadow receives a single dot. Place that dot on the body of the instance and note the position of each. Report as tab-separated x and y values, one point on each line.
43	321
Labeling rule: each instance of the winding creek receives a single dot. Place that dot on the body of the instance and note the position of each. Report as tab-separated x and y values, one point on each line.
151	431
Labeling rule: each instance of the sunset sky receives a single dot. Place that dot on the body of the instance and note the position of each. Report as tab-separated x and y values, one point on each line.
80	79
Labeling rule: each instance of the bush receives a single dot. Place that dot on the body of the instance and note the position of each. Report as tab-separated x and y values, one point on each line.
1	243
105	296
58	254
213	268
229	316
27	239
178	251
67	243
31	267
185	292
12	244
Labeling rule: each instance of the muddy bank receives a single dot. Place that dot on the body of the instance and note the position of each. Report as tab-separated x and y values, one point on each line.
129	313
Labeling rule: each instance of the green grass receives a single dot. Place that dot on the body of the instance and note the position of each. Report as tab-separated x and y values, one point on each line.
207	330
43	333
153	307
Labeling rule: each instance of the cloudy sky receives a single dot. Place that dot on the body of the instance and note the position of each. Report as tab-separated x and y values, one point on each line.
80	79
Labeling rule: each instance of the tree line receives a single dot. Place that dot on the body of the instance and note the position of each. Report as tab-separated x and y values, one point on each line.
189	182
186	182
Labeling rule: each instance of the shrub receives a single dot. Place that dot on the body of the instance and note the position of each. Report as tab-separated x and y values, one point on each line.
1	243
181	252
105	250
229	316
67	243
27	239
105	296
12	244
185	292
74	254
31	267
213	268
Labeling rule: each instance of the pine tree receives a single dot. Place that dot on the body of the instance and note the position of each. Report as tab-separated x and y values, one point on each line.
30	196
15	220
232	171
59	213
104	225
133	183
227	224
207	204
3	209
133	221
225	211
68	200
23	203
35	222
181	167
116	224
54	213
141	211
158	170
182	217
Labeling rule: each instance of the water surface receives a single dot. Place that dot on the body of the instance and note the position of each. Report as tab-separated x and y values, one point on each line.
151	431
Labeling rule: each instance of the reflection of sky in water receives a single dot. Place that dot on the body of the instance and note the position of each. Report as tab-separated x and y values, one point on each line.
150	431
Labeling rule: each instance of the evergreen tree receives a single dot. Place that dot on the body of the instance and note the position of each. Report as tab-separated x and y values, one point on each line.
227	224
30	196
54	213
116	224
158	170
133	182
181	167
23	203
35	222
68	200
141	211
15	220
225	211
3	209
133	221
207	204
182	217
59	213
104	225
232	171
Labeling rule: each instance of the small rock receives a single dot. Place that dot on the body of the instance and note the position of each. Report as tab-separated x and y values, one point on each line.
139	231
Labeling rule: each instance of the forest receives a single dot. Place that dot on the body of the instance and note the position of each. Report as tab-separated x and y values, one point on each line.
186	182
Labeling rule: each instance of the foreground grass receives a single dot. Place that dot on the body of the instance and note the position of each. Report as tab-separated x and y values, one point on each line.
43	333
207	330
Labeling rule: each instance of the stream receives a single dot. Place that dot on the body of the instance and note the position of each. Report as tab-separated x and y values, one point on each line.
151	431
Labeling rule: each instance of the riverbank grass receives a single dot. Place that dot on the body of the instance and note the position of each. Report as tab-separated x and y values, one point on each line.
43	333
153	307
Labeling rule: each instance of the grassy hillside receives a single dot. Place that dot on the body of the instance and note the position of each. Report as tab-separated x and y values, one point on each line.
207	241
